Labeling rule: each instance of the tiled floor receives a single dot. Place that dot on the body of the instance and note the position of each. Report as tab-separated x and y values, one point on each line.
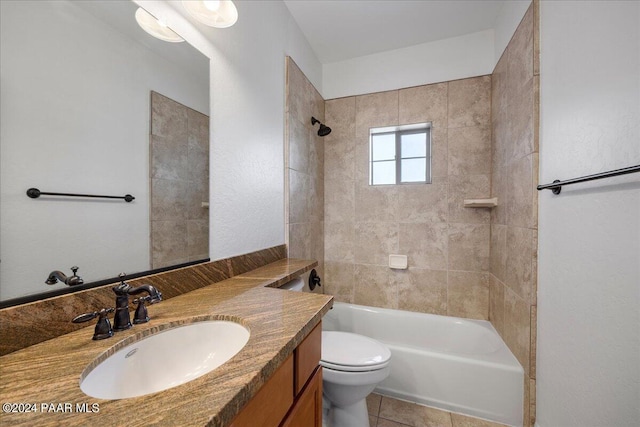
388	412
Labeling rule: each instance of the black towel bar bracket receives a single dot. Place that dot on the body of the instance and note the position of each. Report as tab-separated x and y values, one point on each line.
34	193
556	186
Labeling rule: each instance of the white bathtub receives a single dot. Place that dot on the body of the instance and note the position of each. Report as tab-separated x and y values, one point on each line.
459	365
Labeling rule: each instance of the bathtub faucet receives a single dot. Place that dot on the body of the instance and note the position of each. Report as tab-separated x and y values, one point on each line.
122	319
56	275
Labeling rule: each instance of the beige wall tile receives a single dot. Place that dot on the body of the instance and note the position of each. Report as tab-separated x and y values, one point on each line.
517	320
169	243
374	241
197	192
468	295
300	100
379	203
168	118
339	154
534	342
421	290
413	414
499	85
376	110
198	129
521	52
427	103
198	239
468	187
423	202
520	211
169	200
469	247
373	421
499	190
520	261
439	152
498	260
521	119
299	145
339	197
532	402
470	150
169	158
470	102
526	403
381	422
300	196
339	280
424	244
496	304
339	240
300	240
373	287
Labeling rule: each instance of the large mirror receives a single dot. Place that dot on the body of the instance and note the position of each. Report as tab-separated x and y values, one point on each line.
76	117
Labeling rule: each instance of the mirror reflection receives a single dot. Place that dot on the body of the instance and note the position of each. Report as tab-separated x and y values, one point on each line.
92	104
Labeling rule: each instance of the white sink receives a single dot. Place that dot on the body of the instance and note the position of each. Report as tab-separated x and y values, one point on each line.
166	359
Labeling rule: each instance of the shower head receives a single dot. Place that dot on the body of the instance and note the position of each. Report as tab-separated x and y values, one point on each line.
324	130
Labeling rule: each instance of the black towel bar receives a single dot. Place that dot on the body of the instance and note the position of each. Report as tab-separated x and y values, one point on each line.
34	193
556	186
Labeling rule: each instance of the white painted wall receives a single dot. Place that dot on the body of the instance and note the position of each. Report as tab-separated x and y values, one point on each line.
76	119
449	59
509	17
588	362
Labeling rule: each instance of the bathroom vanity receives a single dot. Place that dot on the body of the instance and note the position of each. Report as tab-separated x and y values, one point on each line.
274	380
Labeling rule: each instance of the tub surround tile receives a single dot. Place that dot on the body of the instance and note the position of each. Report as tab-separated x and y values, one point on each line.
519	267
517	327
169	158
376	110
439	152
169	243
412	414
470	150
340	200
496	304
168	118
533	346
374	242
425	244
532	402
423	203
469	247
470	102
60	362
339	280
468	295
427	103
300	140
422	290
498	261
381	422
339	240
372	286
520	210
468	187
376	203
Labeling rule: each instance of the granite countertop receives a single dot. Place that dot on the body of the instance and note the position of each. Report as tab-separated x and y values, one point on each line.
46	376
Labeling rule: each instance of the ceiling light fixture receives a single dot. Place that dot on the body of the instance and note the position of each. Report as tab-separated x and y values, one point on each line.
156	27
214	13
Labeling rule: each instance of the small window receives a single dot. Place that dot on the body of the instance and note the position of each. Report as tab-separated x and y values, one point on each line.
400	154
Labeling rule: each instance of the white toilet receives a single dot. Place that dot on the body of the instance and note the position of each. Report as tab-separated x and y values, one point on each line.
352	367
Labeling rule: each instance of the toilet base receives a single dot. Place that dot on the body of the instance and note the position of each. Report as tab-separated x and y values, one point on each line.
355	415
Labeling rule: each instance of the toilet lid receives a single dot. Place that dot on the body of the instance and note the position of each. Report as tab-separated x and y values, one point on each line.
345	351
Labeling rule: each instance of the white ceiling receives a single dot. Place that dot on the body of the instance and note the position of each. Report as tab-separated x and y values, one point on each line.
344	29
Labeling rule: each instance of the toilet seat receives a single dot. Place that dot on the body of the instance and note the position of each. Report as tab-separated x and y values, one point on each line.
348	352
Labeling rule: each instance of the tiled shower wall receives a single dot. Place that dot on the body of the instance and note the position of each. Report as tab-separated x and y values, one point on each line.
514	223
179	174
304	168
447	244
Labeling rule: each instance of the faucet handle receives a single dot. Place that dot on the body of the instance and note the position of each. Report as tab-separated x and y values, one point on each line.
141	315
103	327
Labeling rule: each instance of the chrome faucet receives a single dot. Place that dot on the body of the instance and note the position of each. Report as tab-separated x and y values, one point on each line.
122	319
56	275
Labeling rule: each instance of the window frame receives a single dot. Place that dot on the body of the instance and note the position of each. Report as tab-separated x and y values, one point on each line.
398	132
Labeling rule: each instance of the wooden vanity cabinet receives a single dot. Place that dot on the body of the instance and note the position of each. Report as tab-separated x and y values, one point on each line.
293	395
